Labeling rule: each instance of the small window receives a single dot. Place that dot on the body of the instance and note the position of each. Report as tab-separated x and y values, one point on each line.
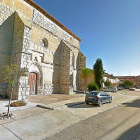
139	79
44	42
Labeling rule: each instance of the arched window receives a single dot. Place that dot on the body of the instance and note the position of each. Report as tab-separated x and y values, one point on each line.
44	42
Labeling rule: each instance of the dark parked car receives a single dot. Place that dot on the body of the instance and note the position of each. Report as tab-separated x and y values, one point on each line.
97	97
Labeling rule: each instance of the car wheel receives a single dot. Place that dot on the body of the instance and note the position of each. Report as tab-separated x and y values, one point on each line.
87	103
110	100
100	103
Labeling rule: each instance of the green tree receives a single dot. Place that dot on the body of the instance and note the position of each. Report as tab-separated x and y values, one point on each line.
93	86
108	83
128	83
121	84
86	74
98	72
11	75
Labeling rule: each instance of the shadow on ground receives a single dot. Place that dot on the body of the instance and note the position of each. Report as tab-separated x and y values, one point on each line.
80	92
135	103
80	105
131	134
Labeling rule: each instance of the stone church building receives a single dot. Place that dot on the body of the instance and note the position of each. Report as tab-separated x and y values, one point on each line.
32	38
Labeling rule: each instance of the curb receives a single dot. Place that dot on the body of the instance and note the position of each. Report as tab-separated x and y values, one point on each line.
45	107
75	104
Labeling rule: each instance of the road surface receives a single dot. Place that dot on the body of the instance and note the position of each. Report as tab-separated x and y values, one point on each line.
120	123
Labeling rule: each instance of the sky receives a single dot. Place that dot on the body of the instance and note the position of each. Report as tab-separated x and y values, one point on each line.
109	29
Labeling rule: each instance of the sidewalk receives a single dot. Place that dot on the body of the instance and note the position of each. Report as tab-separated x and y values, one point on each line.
51	101
4	106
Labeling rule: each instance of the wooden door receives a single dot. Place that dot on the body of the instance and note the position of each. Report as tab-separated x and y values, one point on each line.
33	83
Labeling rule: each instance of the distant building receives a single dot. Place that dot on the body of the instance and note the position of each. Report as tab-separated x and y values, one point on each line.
124	78
113	79
135	79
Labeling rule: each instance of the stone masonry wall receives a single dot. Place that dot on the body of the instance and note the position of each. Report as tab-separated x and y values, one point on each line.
6	39
56	64
81	64
25	56
5	12
46	23
71	73
65	70
16	58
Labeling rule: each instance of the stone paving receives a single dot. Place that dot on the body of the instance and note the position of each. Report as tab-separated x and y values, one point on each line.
37	123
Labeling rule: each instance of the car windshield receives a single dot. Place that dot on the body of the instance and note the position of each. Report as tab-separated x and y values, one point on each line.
93	93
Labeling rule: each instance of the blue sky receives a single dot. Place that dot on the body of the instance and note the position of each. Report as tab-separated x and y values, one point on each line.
109	29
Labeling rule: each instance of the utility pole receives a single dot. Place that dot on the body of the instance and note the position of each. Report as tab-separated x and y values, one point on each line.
129	71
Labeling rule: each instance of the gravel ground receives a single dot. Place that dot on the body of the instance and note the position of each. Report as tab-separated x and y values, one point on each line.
53	98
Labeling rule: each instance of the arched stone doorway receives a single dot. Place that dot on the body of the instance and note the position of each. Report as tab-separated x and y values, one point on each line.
33	83
35	79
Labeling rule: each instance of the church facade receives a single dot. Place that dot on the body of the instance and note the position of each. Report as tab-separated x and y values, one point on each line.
32	38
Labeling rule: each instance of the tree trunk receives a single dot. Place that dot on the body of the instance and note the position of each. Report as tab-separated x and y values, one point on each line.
10	101
85	86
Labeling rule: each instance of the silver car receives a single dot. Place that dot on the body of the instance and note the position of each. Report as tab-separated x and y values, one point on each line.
97	97
109	89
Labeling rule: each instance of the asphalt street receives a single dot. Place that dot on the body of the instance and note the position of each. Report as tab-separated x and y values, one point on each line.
120	123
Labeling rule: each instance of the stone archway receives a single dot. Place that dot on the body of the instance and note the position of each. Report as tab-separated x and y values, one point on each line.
33	83
35	79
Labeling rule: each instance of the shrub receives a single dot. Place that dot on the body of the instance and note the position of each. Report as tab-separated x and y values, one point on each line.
17	104
93	86
108	83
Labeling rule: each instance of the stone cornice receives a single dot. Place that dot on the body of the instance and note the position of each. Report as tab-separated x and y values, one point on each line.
33	4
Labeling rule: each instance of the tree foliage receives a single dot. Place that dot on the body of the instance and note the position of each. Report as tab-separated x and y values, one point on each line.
98	72
93	86
11	75
114	84
127	83
86	74
108	83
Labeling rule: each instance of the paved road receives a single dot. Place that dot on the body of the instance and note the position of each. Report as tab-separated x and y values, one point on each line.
120	123
76	122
